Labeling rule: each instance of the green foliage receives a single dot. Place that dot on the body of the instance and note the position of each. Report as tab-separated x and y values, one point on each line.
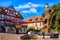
24	26
31	29
55	17
53	30
56	7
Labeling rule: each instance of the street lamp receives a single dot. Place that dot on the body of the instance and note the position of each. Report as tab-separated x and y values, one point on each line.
16	13
6	10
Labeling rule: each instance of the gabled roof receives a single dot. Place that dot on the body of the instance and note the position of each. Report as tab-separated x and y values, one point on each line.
2	7
12	8
34	19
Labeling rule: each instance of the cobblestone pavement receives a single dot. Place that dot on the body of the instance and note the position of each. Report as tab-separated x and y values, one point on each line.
51	39
8	36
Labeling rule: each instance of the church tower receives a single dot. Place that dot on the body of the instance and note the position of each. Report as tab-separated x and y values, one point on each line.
47	18
47	5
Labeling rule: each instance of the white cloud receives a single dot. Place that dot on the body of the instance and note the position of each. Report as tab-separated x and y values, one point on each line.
29	5
25	11
31	10
23	6
32	7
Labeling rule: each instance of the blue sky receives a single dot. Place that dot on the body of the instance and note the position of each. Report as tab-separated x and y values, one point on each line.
29	8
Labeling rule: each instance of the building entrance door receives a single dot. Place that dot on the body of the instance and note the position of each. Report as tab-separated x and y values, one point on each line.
2	29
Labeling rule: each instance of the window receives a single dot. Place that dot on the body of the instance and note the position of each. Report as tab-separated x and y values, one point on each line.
45	21
38	24
0	16
0	19
41	24
30	20
0	24
3	16
49	11
11	11
0	10
41	19
35	24
10	29
36	18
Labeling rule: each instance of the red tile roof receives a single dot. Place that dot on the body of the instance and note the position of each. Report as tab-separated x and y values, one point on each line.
34	19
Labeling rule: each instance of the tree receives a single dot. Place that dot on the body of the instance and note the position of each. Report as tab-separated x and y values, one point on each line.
55	20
